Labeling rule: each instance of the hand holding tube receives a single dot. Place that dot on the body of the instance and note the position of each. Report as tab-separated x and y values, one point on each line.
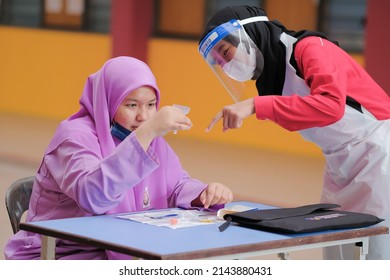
185	110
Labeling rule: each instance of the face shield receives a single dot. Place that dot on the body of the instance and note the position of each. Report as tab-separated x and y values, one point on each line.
233	56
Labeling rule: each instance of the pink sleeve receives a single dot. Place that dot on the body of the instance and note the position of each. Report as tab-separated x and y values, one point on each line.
97	184
320	62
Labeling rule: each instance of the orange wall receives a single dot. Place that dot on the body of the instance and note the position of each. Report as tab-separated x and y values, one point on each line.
42	73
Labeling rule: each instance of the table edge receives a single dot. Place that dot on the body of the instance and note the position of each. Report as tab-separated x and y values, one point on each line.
237	249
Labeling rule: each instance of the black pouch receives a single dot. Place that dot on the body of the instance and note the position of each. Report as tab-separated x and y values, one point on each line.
308	218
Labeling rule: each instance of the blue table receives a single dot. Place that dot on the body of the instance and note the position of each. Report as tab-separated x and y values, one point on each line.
199	242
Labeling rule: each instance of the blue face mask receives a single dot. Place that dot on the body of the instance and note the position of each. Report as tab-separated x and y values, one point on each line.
119	131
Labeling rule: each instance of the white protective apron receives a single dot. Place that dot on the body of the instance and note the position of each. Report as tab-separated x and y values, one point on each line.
357	154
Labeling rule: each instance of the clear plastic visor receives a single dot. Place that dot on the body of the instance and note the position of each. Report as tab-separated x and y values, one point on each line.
233	57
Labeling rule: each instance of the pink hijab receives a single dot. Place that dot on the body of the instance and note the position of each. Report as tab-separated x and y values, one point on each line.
103	93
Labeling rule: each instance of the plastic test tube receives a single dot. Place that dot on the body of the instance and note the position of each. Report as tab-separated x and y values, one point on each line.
184	109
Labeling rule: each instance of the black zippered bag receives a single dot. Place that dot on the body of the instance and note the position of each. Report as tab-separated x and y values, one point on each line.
302	219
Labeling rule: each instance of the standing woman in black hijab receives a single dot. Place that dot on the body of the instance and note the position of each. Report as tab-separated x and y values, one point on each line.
307	83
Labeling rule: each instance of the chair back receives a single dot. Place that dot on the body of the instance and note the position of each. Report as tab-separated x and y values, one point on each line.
17	199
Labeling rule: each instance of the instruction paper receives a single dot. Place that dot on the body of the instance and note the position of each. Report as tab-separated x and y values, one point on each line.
179	218
174	218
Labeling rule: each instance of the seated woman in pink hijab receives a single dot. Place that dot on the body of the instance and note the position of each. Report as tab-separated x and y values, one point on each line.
111	157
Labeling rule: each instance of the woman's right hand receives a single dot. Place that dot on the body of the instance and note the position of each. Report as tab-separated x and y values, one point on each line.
166	119
233	115
169	118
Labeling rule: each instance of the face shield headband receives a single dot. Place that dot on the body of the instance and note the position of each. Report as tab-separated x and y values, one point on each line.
232	55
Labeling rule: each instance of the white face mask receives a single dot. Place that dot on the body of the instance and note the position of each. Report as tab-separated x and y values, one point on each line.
242	66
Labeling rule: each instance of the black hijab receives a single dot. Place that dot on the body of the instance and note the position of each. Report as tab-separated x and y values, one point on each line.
266	35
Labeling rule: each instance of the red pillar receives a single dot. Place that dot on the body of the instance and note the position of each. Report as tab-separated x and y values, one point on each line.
377	49
131	27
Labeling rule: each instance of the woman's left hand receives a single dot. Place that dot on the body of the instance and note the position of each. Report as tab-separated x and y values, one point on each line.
215	193
233	115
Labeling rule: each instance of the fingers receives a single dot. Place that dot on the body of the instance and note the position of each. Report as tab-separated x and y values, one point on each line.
175	118
229	118
234	114
216	193
214	121
186	122
231	121
183	126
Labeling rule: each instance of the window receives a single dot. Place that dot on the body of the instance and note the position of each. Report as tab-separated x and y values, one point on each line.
177	18
213	6
84	15
343	21
187	19
21	12
64	14
97	18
